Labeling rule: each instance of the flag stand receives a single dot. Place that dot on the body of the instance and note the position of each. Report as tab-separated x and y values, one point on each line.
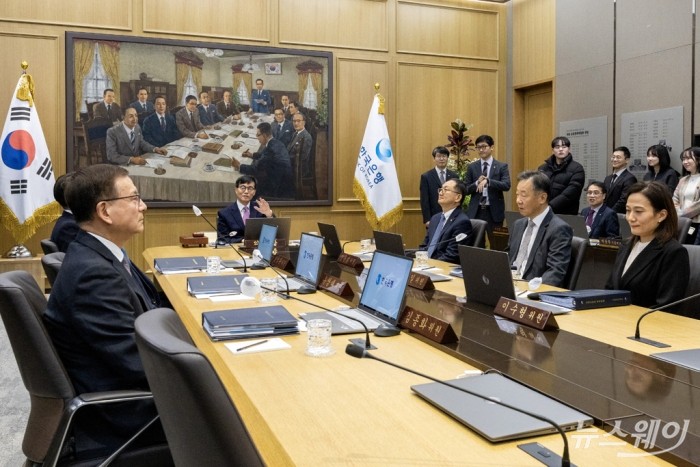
19	251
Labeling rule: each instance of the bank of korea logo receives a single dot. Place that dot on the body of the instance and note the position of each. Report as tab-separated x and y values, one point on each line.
384	150
18	150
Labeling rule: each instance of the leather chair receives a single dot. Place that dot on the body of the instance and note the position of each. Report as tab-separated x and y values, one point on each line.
625	231
578	251
52	264
691	308
683	227
201	423
47	246
478	236
95	132
53	400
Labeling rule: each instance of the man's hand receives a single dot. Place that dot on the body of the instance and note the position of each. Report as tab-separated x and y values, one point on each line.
236	165
247	154
137	160
161	151
202	135
481	184
263	207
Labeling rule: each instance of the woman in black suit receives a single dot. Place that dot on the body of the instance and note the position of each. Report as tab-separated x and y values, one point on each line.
652	265
660	169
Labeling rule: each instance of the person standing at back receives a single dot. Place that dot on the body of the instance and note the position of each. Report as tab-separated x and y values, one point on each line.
566	176
686	197
431	181
660	170
618	182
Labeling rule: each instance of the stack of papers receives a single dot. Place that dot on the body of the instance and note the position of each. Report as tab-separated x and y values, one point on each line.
242	323
211	286
188	264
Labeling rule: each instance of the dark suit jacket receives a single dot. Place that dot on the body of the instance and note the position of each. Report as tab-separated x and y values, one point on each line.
457	223
616	197
229	220
260	107
658	276
550	254
184	123
155	135
119	146
139	109
209	116
429	184
499	181
605	223
100	111
273	169
224	112
65	231
283	132
668	177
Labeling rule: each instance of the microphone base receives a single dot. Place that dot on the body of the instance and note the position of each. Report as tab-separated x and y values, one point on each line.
644	340
305	290
361	343
542	454
257	267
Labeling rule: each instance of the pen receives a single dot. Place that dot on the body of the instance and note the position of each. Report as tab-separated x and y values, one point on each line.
245	347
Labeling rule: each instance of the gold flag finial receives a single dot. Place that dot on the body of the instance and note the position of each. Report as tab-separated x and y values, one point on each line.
376	87
24	66
380	110
25	91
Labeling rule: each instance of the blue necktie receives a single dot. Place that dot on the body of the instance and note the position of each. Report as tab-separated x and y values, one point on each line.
436	237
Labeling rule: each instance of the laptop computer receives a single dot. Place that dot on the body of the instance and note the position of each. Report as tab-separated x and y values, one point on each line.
577	223
308	265
487	278
495	422
686	358
393	243
382	298
330	240
266	241
254	225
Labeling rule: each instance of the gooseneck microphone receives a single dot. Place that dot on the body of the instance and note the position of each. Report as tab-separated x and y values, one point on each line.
458	238
358	352
198	212
658	344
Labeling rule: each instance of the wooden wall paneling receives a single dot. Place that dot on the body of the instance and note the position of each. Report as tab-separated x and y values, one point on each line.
354	24
107	14
533	41
538	126
449	31
233	19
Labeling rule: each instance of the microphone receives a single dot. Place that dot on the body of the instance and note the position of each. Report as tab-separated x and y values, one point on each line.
198	212
658	344
458	238
250	286
258	256
359	352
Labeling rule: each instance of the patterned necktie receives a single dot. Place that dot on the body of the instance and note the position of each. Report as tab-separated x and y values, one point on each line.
442	177
589	217
132	137
126	263
484	194
245	214
521	259
436	237
162	123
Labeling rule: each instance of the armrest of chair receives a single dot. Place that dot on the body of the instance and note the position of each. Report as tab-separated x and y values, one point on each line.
106	397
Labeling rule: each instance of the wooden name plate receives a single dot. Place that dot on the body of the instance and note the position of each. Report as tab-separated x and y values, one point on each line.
214	148
526	314
281	262
192	241
335	286
351	261
428	326
420	281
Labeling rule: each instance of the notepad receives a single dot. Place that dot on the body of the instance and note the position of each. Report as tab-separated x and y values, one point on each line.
272	344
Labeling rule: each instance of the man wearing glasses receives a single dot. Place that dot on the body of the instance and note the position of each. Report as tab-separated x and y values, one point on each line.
97	296
431	181
231	220
619	181
601	221
487	179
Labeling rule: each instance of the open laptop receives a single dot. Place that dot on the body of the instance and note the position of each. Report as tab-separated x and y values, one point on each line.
686	358
330	240
393	243
254	225
266	241
382	296
577	223
487	278
495	422
308	265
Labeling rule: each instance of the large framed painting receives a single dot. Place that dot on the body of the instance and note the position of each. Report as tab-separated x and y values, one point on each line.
116	85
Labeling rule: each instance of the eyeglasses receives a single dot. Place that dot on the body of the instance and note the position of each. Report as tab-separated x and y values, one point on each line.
136	198
482	147
442	190
245	188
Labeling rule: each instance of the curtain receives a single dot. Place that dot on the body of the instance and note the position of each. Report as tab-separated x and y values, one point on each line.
247	80
109	53
182	70
82	60
197	77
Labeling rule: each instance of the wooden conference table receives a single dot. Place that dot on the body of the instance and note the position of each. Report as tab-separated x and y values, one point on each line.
340	410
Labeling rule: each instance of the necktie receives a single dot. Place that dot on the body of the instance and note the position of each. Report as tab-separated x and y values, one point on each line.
442	177
194	127
126	263
484	194
132	137
245	214
589	217
162	123
143	106
521	259
436	237
612	181
485	169
109	108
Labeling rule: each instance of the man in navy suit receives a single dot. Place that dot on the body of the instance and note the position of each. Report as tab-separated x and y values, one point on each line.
601	221
208	115
125	143
97	296
540	242
431	181
487	179
65	229
448	223
261	100
231	220
282	129
618	183
142	105
160	129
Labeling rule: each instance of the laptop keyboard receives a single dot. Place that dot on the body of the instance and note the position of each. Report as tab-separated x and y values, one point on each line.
368	321
294	283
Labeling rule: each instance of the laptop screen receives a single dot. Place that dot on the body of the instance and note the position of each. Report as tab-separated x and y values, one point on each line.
387	241
309	260
491	280
385	287
267	241
330	239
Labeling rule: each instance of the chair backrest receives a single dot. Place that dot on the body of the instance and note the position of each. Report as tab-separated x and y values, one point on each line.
91	108
578	251
478	236
683	227
186	387
22	305
176	109
47	246
52	264
625	231
691	308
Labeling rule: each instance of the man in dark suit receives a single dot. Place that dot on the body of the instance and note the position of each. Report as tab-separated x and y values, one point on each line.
300	145
487	179
187	120
125	143
601	221
232	218
207	111
282	128
143	106
285	106
65	229
619	181
261	101
107	109
540	242
447	224
97	296
159	128
272	160
226	107
431	181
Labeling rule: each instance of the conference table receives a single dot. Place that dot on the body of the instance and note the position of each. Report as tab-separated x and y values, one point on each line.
302	410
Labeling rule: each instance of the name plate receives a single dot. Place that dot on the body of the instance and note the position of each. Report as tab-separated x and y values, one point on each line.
280	262
428	326
193	241
351	261
420	281
526	314
335	286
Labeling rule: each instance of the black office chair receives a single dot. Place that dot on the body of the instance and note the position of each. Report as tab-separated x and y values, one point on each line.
691	308
683	227
625	231
47	246
52	264
200	421
578	251
478	236
53	401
